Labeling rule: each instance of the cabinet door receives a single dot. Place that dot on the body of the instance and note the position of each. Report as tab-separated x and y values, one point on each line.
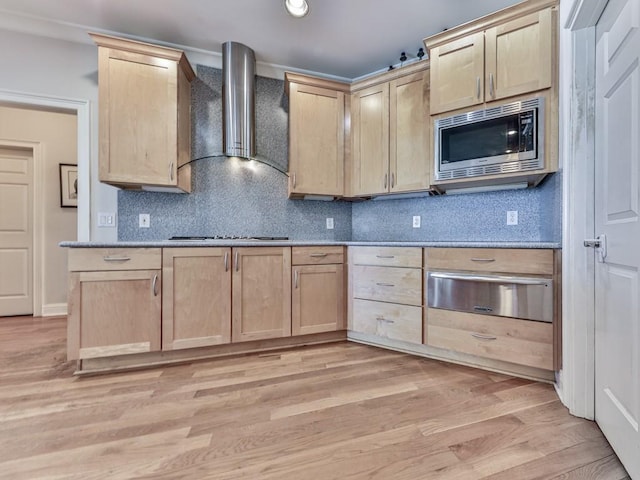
196	297
261	298
457	72
113	313
316	140
317	299
518	56
409	133
370	140
138	118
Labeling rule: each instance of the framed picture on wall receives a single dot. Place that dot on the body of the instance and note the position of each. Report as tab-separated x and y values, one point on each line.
68	185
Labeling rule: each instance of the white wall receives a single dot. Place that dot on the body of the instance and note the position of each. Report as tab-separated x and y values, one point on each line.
55	68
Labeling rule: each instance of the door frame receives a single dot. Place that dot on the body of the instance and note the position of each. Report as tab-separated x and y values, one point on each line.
576	381
81	108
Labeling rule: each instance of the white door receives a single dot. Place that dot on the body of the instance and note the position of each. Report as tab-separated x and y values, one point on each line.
16	232
617	194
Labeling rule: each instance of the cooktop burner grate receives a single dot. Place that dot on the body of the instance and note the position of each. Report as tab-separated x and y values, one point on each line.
226	237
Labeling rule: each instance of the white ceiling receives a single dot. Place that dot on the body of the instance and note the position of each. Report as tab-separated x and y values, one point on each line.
344	38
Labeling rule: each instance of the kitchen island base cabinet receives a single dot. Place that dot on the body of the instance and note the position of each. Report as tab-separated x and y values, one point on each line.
196	297
261	293
113	313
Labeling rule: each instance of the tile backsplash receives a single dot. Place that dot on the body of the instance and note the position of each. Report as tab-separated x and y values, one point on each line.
239	197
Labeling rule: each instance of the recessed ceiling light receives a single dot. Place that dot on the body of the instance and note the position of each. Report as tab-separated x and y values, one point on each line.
296	8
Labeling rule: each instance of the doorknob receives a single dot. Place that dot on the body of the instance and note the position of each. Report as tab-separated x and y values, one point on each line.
600	244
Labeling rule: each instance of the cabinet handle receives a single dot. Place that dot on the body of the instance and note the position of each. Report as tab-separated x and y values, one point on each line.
294	179
381	284
171	171
483	337
226	261
386	176
487	260
385	320
480	308
235	260
478	88
318	255
116	259
393	179
154	285
491	85
295	278
385	256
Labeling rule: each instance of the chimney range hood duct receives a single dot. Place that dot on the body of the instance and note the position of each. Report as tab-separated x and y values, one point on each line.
238	102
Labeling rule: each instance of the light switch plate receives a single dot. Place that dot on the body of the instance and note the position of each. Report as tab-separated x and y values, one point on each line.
106	219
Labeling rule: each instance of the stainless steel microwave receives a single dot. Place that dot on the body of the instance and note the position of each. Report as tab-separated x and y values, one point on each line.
503	139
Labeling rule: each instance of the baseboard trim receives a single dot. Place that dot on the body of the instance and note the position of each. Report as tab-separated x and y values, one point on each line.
54	310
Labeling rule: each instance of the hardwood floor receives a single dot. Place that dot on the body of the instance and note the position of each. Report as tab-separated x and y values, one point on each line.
339	411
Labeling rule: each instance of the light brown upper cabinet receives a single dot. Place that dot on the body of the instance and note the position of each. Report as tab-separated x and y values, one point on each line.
145	115
390	132
508	53
316	135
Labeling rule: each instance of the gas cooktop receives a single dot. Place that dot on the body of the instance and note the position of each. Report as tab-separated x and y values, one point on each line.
226	237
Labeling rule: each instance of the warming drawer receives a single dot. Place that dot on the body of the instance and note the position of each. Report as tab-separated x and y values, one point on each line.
528	298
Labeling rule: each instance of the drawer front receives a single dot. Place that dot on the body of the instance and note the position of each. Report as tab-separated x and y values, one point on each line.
387	256
317	255
388	320
91	259
499	260
511	340
388	284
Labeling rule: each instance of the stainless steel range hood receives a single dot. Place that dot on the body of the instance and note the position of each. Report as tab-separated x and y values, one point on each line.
238	102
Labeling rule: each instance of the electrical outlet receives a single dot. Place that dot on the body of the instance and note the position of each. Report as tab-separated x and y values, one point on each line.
144	220
416	221
106	219
512	217
329	223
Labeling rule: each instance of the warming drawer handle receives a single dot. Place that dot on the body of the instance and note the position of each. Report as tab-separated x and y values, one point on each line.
492	279
116	259
318	255
480	308
486	260
483	337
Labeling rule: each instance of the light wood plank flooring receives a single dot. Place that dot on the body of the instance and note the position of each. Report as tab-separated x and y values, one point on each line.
340	411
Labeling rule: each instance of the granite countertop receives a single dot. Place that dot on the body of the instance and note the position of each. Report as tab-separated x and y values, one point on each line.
280	243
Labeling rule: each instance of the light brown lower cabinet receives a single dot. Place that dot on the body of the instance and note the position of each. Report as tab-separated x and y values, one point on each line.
196	297
261	293
388	320
114	302
317	291
511	340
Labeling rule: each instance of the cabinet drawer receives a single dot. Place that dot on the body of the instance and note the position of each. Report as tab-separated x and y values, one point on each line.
506	260
90	259
388	284
389	320
387	256
317	255
511	340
